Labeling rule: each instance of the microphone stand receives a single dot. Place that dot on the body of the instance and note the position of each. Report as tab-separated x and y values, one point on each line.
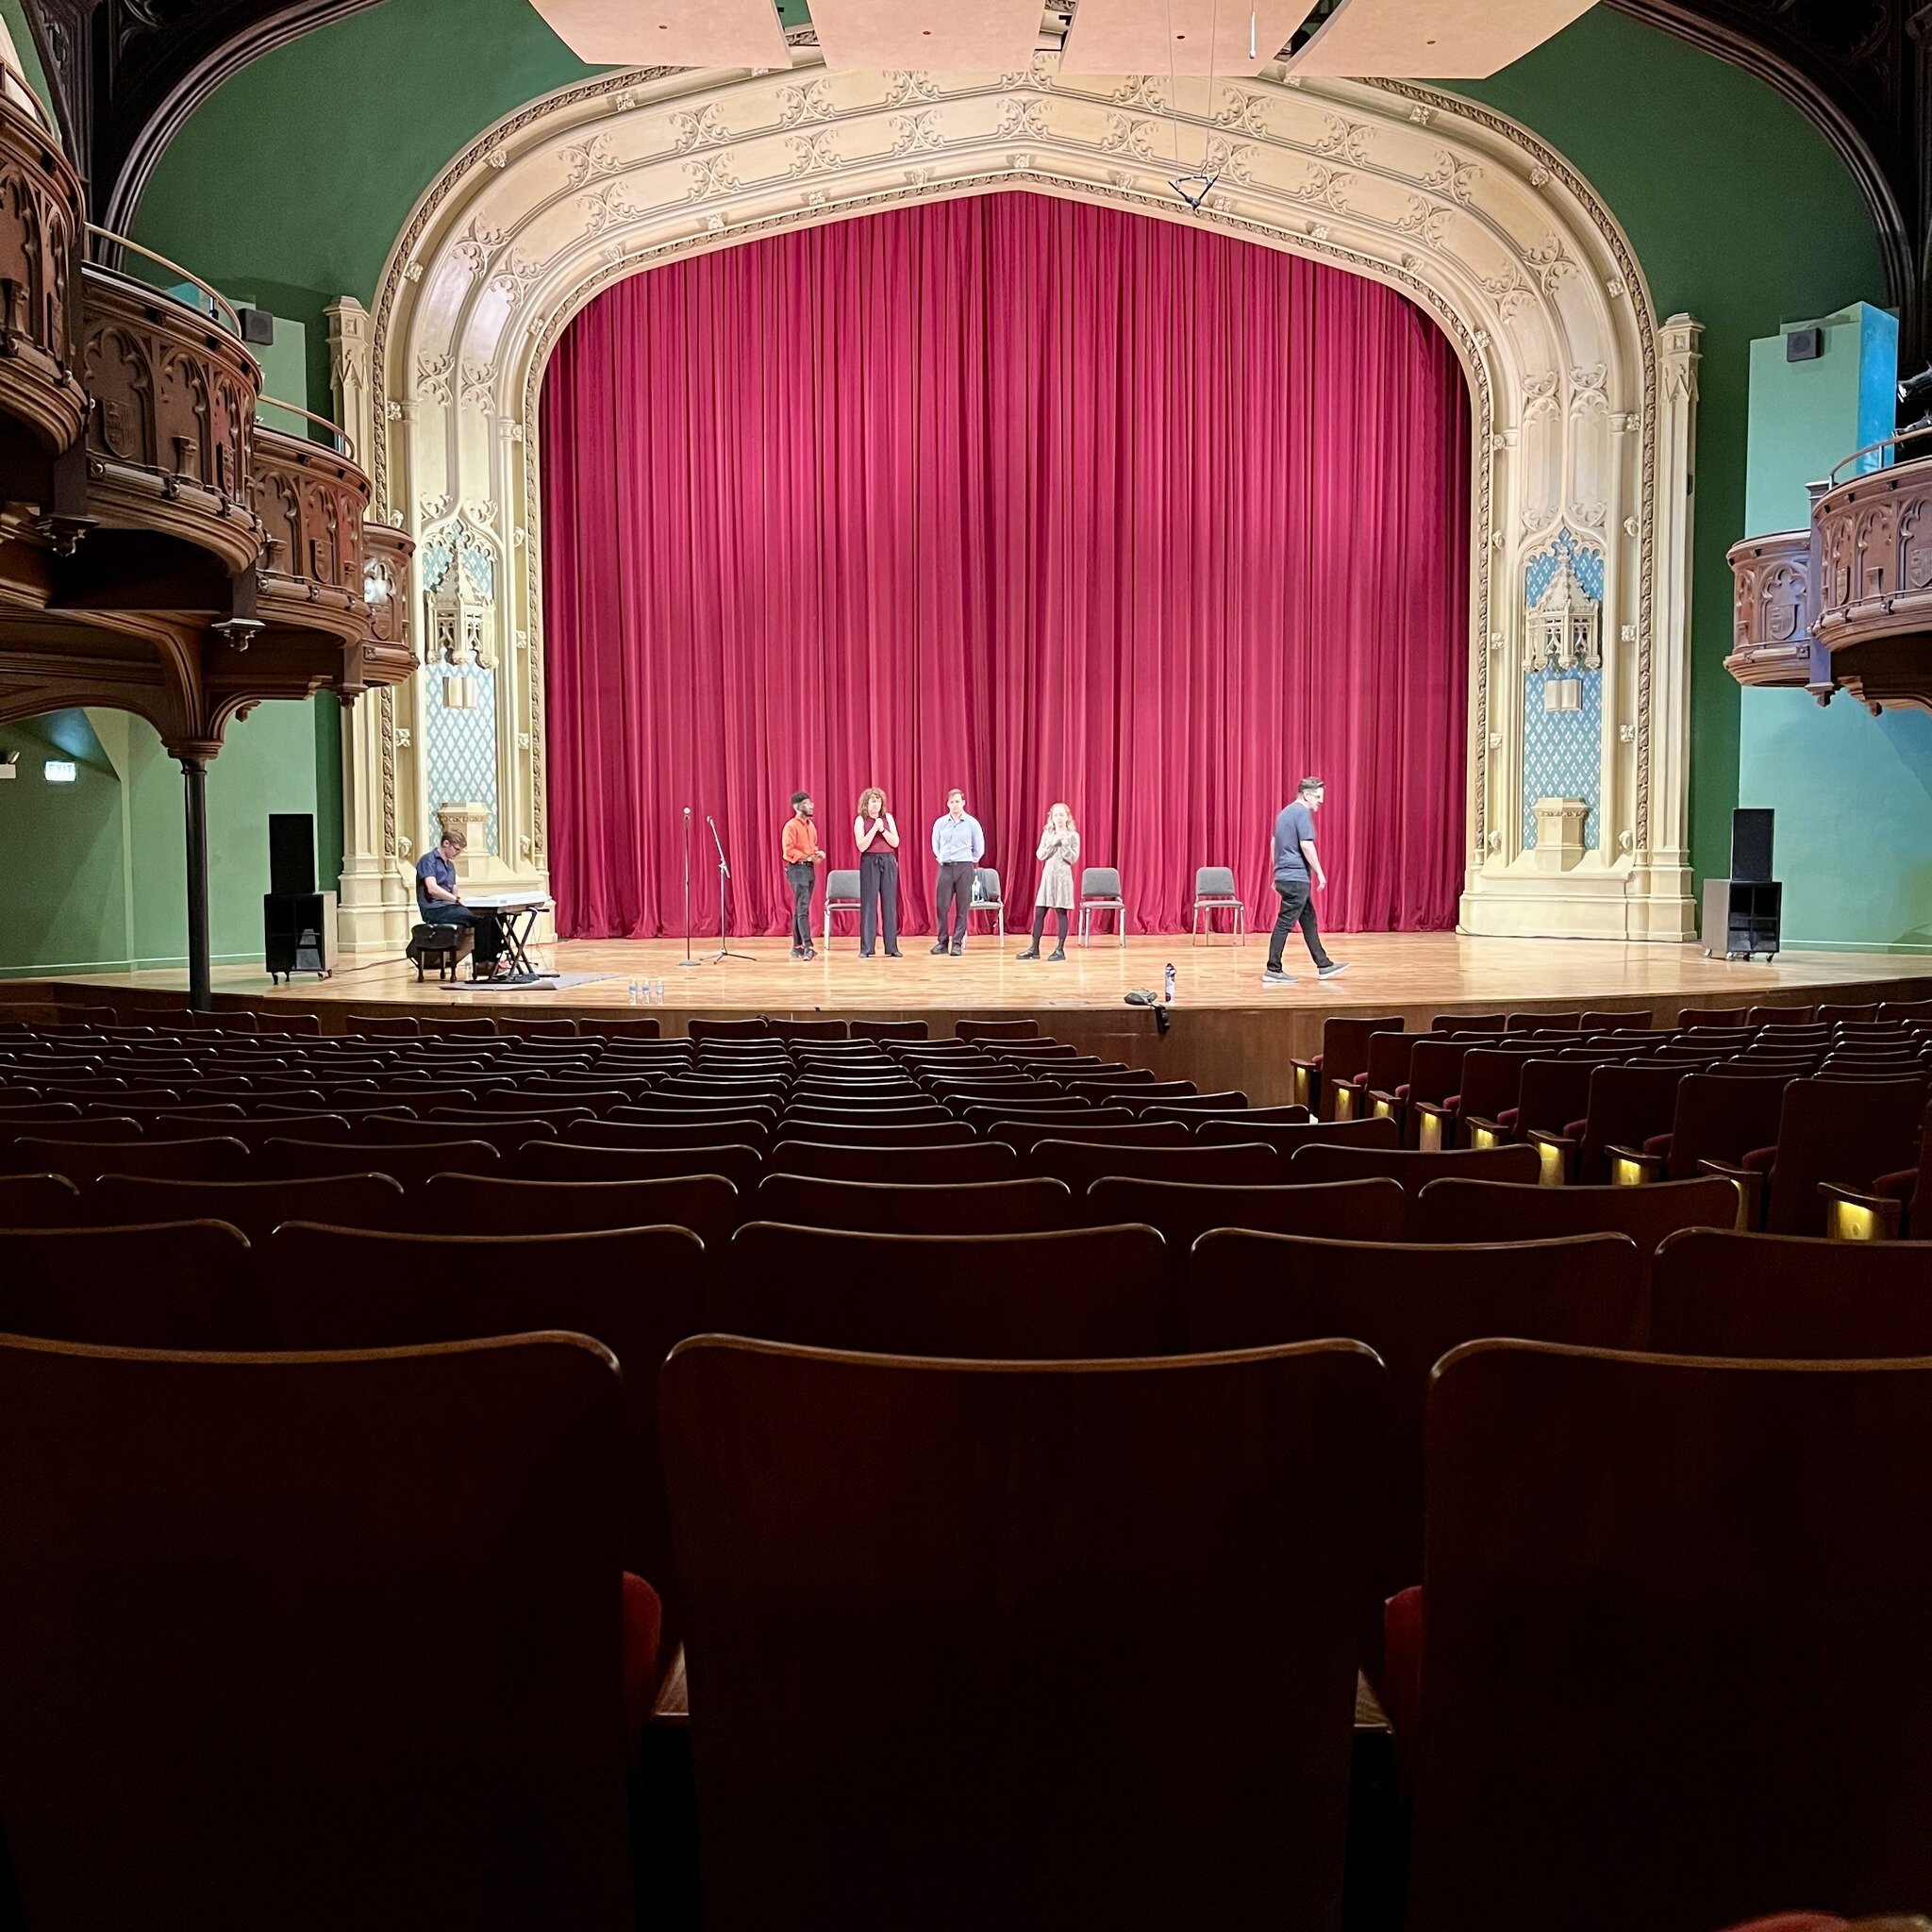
687	961
723	951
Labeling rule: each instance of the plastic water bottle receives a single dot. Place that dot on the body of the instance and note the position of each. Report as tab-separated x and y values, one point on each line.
633	993
1170	985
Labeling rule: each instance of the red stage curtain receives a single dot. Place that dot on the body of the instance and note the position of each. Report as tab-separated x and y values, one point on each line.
1043	500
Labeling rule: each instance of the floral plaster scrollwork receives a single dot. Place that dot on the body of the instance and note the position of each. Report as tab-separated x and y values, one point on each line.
1492	234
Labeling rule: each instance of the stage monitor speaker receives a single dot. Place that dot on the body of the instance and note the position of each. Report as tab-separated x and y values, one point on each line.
291	852
1750	833
1742	918
295	932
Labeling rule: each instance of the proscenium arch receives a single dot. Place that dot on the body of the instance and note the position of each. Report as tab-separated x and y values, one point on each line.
1583	405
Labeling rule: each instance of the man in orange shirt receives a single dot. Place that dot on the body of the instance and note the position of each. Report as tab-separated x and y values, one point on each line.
802	861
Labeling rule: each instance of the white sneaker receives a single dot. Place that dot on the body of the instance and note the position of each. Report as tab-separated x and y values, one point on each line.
1333	967
1277	979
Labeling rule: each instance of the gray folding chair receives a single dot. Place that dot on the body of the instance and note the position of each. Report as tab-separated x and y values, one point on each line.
989	897
1100	891
1214	891
841	895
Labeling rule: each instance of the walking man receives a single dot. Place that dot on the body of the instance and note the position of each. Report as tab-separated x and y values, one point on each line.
1297	871
958	845
802	861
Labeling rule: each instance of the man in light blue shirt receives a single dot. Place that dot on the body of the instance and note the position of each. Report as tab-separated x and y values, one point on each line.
958	845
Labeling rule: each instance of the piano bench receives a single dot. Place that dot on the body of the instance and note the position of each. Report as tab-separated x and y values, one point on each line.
443	946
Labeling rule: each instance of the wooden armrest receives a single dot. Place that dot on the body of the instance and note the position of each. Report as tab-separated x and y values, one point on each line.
1632	1167
1485	1133
674	1694
1859	1214
1435	1124
1749	1183
1557	1153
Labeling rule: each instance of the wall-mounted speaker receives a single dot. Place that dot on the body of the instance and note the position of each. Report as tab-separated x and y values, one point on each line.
1751	840
291	852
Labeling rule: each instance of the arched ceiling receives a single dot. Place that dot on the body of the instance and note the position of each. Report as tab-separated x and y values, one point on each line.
128	73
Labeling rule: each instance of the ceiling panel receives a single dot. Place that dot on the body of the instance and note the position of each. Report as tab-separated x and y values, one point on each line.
928	36
670	33
1431	39
1177	36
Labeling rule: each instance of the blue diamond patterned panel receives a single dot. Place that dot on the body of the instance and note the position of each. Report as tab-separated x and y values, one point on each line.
462	756
1562	751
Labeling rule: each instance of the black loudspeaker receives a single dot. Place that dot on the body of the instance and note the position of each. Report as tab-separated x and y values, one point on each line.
295	936
291	852
1742	918
1751	847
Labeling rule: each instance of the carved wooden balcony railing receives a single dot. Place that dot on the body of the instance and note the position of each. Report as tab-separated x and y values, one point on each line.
43	402
169	437
388	654
1846	605
311	502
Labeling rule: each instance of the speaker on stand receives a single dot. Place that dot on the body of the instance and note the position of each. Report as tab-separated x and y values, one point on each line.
296	920
1744	915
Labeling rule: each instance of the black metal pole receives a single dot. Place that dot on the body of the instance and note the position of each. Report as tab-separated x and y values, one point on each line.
195	778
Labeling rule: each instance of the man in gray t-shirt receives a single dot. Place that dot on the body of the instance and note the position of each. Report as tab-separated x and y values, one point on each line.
1298	871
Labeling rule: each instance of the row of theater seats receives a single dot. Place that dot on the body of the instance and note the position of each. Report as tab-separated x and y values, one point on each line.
1816	1115
1052	1552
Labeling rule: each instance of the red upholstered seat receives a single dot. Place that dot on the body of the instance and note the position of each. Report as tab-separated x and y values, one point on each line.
644	1624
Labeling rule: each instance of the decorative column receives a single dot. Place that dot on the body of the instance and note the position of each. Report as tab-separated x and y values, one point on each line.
193	760
1662	907
373	917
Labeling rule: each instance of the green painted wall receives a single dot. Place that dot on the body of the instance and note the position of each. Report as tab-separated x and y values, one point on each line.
1711	173
1741	215
97	871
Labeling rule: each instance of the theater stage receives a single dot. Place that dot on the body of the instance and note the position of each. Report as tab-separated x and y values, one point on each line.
1226	1030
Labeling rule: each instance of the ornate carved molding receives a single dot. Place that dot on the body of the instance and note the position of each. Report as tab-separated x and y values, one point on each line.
1488	229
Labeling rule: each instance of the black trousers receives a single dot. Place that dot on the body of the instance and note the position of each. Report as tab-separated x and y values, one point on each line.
954	891
489	941
1297	908
799	877
878	900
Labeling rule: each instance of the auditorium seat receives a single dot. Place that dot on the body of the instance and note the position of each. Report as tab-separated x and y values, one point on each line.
1199	1113
1885	1210
1412	1304
1329	1083
1193	1105
1026	1570
888	1029
1478	1210
1791	1297
409	1162
1672	1657
1063	1295
1024	1134
1435	1079
1491	1078
1730	1018
563	1161
466	1204
399	1604
381	1025
98	1127
1719	1116
39	1200
619	1026
1371	1211
84	1161
971	1030
1628	1106
882	1132
808	1029
635	1290
1079	1164
257	1207
1843	1132
1285	1137
180	1285
925	1166
1328	1161
705	1031
1029	1206
753	1131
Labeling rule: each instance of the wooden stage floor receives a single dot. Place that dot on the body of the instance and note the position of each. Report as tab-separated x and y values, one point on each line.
1226	1029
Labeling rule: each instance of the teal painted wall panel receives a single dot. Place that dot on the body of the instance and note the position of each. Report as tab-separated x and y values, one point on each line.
1852	795
1807	417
